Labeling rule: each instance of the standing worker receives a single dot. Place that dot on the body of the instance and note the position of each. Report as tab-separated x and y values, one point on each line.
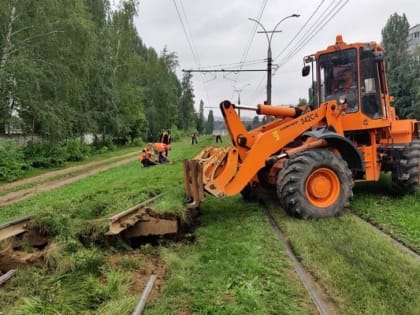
166	139
194	139
218	138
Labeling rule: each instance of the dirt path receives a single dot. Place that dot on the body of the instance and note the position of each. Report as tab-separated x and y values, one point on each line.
27	193
62	172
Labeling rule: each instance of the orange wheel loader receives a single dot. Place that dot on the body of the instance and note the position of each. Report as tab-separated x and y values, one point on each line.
312	155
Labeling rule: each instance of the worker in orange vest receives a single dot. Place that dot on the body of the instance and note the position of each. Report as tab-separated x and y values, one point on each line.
160	149
146	158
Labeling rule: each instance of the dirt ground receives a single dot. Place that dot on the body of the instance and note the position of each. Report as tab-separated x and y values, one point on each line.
28	249
147	265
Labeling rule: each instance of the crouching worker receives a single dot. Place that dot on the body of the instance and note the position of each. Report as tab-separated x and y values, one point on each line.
160	150
163	157
146	158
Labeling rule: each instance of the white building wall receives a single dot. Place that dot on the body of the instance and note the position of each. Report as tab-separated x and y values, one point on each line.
413	39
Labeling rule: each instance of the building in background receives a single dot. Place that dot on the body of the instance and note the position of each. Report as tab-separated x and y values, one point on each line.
413	39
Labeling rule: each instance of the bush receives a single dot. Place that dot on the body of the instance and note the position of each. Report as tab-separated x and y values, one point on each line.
77	150
103	145
138	142
88	260
11	162
44	154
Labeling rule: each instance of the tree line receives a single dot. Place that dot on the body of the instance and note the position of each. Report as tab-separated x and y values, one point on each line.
72	67
403	67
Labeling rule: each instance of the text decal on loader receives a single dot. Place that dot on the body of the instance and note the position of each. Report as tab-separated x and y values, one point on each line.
308	118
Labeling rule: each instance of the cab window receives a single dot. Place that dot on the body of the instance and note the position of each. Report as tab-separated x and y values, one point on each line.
338	77
369	85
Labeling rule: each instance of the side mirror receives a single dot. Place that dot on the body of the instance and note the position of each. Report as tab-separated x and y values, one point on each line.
306	70
379	56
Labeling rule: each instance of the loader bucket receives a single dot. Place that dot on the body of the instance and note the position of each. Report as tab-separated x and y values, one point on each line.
193	179
209	172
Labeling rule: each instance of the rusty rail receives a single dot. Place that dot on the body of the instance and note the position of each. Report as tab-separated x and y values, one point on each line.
146	292
7	276
13	228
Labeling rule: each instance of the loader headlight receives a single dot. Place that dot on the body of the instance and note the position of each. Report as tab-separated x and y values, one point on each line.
342	100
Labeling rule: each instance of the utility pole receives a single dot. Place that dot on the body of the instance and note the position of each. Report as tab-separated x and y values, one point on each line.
269	56
239	90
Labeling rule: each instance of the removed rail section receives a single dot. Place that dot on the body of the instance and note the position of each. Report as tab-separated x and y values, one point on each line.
14	228
140	220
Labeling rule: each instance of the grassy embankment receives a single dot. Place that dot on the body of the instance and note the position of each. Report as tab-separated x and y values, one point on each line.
235	266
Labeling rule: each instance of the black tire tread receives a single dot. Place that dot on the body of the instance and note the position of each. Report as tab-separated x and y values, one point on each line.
410	165
291	178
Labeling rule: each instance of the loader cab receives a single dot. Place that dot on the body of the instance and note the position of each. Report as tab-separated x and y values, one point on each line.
352	72
338	78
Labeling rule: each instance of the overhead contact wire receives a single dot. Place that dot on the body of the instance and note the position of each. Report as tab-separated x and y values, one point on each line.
300	30
319	27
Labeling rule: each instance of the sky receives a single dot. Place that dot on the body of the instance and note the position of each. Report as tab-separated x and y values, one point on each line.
221	36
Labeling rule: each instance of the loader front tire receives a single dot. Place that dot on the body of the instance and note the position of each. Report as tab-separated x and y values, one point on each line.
409	165
315	184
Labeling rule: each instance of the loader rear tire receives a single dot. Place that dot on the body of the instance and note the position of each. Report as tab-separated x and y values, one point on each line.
408	182
315	184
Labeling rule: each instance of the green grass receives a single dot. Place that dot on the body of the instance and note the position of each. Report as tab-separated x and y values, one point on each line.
96	157
360	268
397	216
100	163
112	191
236	266
72	281
38	291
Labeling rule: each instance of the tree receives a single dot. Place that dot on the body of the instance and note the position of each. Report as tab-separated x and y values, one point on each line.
200	120
68	68
186	116
255	122
302	101
210	123
414	64
394	36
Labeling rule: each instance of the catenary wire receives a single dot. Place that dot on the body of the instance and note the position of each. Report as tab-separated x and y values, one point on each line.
300	30
310	34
